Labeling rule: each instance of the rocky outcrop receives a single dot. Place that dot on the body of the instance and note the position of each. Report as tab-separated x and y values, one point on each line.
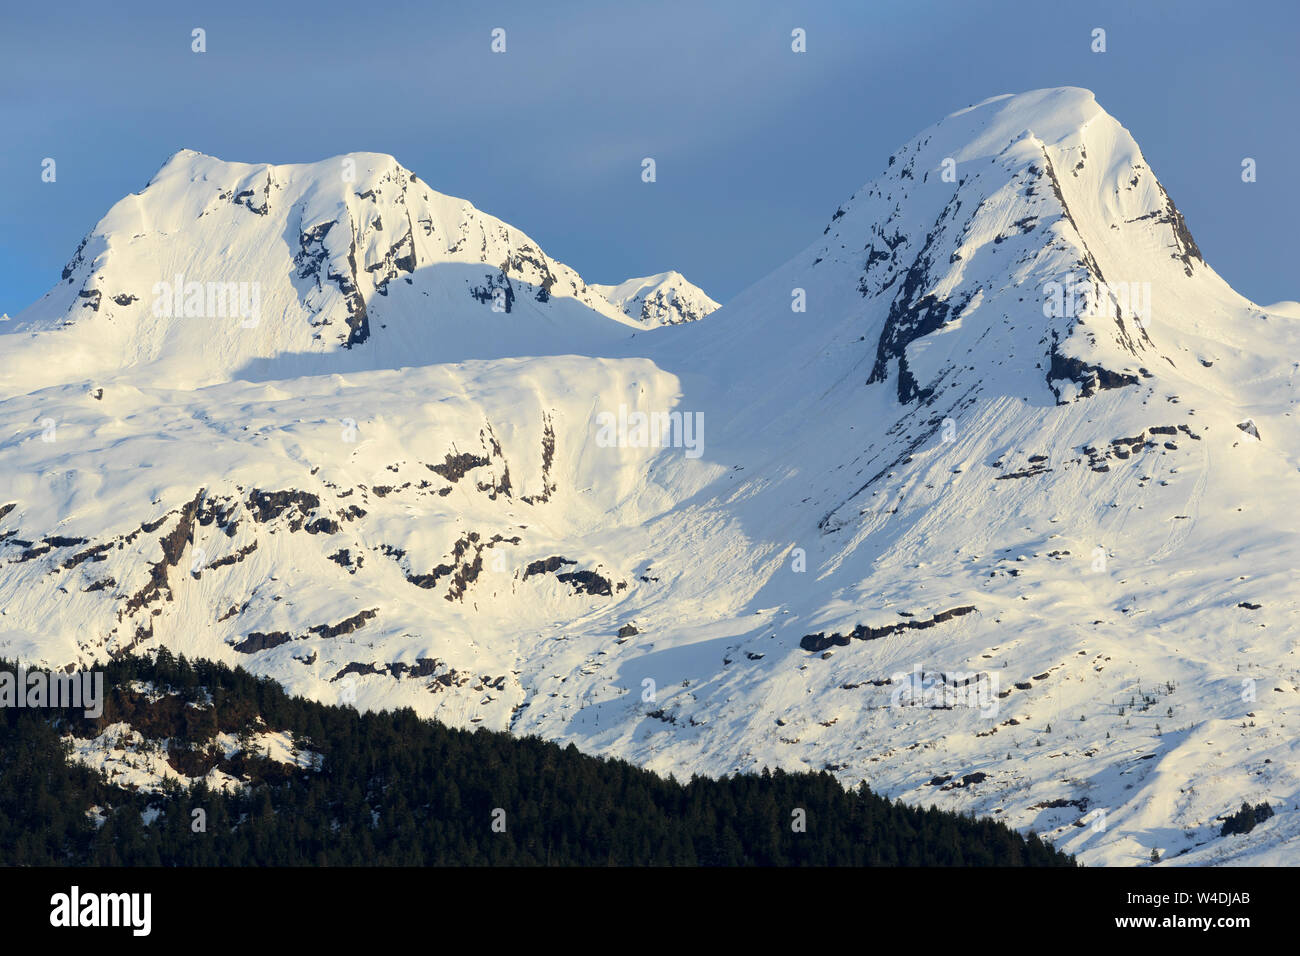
820	641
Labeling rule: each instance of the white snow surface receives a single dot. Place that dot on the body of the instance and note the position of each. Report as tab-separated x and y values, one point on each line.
924	438
132	761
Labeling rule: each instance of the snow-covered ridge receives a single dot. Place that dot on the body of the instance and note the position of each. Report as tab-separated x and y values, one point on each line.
946	472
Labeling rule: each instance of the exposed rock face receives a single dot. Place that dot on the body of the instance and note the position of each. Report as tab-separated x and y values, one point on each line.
819	641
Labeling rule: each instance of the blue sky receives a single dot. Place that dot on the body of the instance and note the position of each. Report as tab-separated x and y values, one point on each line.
755	145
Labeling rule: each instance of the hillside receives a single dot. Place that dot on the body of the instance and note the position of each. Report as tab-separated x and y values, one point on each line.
390	789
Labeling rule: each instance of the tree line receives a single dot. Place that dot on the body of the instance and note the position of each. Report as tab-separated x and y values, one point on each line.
391	788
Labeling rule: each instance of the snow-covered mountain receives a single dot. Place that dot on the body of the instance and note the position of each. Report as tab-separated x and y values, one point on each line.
663	299
223	270
984	497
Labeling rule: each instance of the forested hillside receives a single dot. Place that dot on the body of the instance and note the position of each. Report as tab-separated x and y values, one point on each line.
391	788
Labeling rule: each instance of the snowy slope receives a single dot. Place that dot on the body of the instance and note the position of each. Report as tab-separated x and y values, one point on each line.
663	299
1077	508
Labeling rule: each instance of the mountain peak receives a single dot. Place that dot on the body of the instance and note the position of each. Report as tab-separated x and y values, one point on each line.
985	229
666	298
1052	114
219	270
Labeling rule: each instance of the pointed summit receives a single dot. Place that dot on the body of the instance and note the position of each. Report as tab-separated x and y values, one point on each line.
663	299
1021	245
